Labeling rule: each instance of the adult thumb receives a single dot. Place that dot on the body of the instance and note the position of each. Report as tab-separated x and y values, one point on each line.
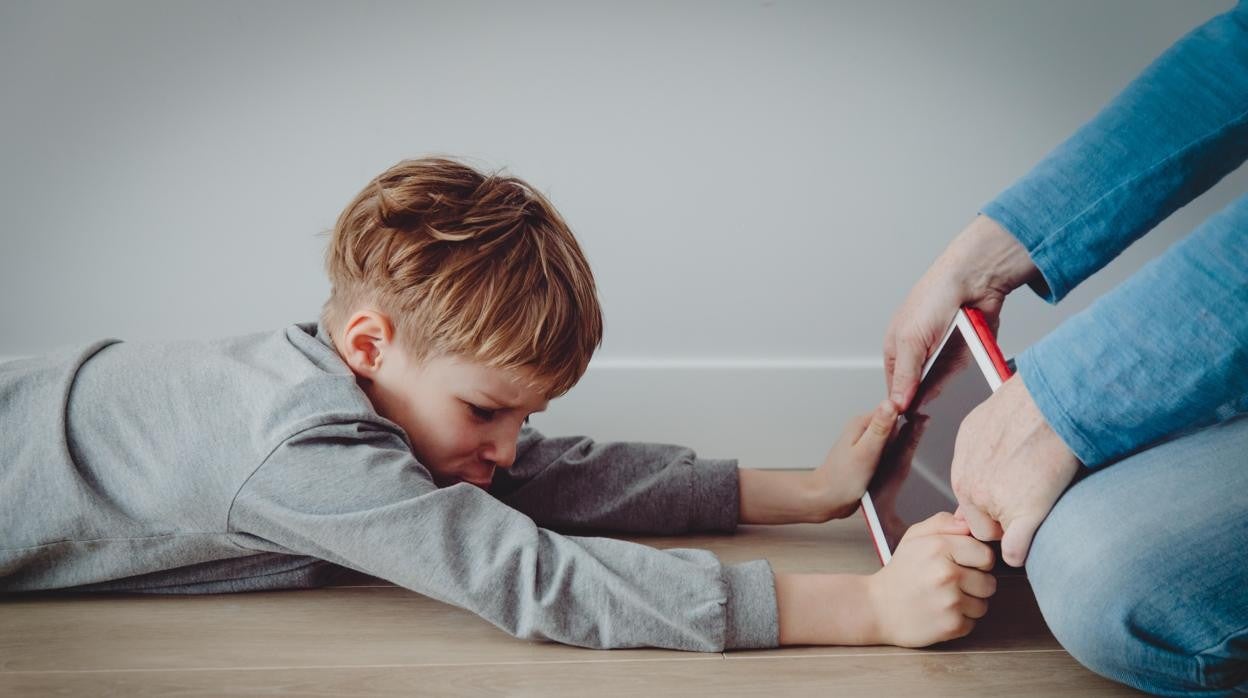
1016	542
909	363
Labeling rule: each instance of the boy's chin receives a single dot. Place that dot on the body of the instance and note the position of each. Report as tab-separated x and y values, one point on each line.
449	480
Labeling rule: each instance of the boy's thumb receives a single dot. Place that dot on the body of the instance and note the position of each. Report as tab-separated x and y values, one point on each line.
880	426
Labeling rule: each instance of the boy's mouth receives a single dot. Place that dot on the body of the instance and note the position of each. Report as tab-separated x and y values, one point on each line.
482	481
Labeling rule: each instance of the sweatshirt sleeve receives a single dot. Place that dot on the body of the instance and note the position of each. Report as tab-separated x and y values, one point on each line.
352	493
574	483
1170	135
1164	352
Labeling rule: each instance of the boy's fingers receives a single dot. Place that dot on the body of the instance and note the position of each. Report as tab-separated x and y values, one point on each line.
973	607
855	427
878	428
978	584
937	524
968	552
1016	542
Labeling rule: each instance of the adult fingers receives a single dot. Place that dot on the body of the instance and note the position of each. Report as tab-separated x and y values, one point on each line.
977	583
982	526
906	373
968	552
1016	542
890	360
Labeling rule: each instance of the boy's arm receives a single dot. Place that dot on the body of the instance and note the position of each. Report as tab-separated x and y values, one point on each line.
573	482
352	493
831	491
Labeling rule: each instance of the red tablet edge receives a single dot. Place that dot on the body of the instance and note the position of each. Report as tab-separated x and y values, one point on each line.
980	323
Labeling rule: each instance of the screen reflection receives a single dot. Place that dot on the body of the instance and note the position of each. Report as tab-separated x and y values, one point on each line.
912	480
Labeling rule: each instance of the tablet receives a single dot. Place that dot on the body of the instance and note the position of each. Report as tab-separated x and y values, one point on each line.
912	480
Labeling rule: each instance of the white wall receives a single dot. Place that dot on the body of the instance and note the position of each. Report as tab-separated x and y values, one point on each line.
756	184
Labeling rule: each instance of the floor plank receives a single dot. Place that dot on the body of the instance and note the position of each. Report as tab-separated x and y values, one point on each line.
368	636
1014	674
309	628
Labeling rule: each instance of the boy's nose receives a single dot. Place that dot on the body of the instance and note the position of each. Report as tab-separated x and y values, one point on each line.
501	453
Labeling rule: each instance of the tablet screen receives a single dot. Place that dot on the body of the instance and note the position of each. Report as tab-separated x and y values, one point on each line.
912	480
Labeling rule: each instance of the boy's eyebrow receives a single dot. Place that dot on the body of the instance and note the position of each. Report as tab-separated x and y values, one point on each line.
496	401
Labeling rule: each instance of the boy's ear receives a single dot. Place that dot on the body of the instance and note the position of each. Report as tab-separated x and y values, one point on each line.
368	338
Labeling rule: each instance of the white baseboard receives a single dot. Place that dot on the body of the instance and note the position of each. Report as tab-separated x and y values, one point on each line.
766	414
781	413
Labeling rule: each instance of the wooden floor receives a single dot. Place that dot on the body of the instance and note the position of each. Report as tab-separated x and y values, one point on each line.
371	638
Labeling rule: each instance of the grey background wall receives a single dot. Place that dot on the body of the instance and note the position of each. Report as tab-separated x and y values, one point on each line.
756	184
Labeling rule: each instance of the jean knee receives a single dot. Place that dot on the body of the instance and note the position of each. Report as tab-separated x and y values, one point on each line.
1118	619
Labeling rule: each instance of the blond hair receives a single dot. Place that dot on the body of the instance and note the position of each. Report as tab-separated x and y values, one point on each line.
467	264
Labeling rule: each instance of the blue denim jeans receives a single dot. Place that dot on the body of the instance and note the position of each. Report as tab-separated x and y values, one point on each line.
1141	569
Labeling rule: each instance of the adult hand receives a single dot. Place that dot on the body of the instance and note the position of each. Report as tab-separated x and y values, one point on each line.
1009	468
979	268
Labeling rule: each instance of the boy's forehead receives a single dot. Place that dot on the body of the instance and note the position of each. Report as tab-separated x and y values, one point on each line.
510	386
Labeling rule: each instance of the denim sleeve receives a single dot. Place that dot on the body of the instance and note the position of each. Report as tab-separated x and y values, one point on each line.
1173	132
1164	352
572	482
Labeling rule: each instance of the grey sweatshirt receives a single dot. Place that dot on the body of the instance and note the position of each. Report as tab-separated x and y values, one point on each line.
257	462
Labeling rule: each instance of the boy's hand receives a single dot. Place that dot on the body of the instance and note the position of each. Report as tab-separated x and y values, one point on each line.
935	587
839	483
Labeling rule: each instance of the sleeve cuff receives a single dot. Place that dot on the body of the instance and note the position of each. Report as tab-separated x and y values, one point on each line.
715	501
1053	286
1054	413
751	620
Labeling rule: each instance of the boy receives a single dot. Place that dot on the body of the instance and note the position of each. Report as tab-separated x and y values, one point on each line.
388	438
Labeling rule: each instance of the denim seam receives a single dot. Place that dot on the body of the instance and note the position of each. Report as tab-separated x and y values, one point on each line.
1201	664
1052	238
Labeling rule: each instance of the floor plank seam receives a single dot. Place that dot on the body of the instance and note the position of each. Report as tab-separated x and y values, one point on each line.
935	653
722	655
533	662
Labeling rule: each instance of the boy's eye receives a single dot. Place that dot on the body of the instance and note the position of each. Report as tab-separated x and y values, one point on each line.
482	413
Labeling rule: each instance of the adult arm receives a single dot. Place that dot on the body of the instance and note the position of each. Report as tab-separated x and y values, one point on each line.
1164	352
1171	134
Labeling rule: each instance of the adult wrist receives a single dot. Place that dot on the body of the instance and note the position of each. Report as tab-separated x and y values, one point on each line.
996	262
